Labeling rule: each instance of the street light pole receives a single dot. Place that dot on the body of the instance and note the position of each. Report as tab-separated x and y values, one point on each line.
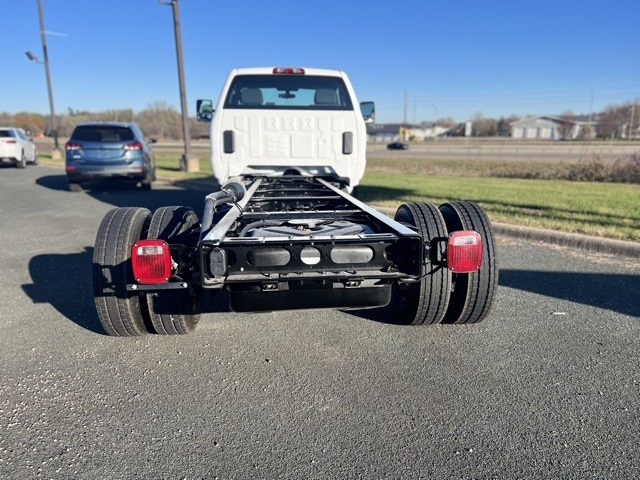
55	154
188	163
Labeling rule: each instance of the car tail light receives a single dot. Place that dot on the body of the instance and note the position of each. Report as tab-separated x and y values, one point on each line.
9	141
151	261
289	71
72	146
133	146
464	251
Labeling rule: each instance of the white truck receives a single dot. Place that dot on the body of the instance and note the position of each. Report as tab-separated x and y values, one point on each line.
285	230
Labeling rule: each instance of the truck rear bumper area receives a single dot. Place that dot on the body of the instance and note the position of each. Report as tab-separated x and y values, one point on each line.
306	294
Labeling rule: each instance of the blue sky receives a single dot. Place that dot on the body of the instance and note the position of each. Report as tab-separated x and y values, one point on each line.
453	58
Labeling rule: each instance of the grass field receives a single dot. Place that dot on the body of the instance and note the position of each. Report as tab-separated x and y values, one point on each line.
600	208
516	192
593	208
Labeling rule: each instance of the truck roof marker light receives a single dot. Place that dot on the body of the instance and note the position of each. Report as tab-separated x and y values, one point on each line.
151	261
289	71
464	251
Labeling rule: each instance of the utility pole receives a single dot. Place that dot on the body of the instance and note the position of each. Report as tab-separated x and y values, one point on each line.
55	153
188	163
405	108
631	132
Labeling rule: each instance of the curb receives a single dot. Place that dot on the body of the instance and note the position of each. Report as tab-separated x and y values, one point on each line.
573	240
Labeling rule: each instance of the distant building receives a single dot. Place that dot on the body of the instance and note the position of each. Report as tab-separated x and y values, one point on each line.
552	127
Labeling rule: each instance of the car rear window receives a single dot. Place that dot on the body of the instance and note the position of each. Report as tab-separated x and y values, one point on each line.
288	92
102	133
5	133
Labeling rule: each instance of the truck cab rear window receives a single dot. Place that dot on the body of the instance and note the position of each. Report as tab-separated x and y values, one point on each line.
288	92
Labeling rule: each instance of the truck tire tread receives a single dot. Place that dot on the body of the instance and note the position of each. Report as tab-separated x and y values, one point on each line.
425	302
172	312
473	294
120	312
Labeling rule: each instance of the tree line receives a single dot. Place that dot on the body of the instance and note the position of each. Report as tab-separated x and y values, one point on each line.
159	120
163	122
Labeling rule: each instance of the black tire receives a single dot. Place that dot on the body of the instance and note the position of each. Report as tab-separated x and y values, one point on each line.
121	313
174	312
35	157
22	162
473	293
149	179
75	187
424	302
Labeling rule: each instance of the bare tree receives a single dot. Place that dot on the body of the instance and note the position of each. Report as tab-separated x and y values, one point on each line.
160	119
484	127
567	123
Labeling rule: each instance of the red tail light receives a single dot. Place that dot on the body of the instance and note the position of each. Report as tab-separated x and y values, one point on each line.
9	141
289	71
464	251
151	261
72	146
133	146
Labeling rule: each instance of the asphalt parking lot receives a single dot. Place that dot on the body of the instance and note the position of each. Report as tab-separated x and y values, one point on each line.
546	387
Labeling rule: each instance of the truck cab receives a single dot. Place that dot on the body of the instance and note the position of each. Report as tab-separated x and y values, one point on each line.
284	121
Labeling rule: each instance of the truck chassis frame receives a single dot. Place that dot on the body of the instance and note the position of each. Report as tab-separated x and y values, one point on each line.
291	242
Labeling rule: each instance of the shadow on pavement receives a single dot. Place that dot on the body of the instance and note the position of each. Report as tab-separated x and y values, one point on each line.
187	193
615	292
65	282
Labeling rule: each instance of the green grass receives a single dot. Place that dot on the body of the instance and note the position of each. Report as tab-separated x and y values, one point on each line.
168	166
593	208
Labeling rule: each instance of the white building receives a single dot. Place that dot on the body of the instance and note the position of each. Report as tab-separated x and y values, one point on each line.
550	127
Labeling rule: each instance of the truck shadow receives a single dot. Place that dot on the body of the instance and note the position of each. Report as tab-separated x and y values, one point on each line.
73	296
187	192
65	282
614	292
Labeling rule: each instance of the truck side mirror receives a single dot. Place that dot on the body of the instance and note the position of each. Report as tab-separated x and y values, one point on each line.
368	110
204	109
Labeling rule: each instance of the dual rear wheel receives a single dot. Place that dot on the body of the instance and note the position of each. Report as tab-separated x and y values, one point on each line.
127	313
441	296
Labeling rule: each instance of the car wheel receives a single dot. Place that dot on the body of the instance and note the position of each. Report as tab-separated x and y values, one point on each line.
35	157
146	183
174	312
22	163
423	302
473	293
121	312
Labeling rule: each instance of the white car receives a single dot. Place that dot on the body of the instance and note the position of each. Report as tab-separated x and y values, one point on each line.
16	147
